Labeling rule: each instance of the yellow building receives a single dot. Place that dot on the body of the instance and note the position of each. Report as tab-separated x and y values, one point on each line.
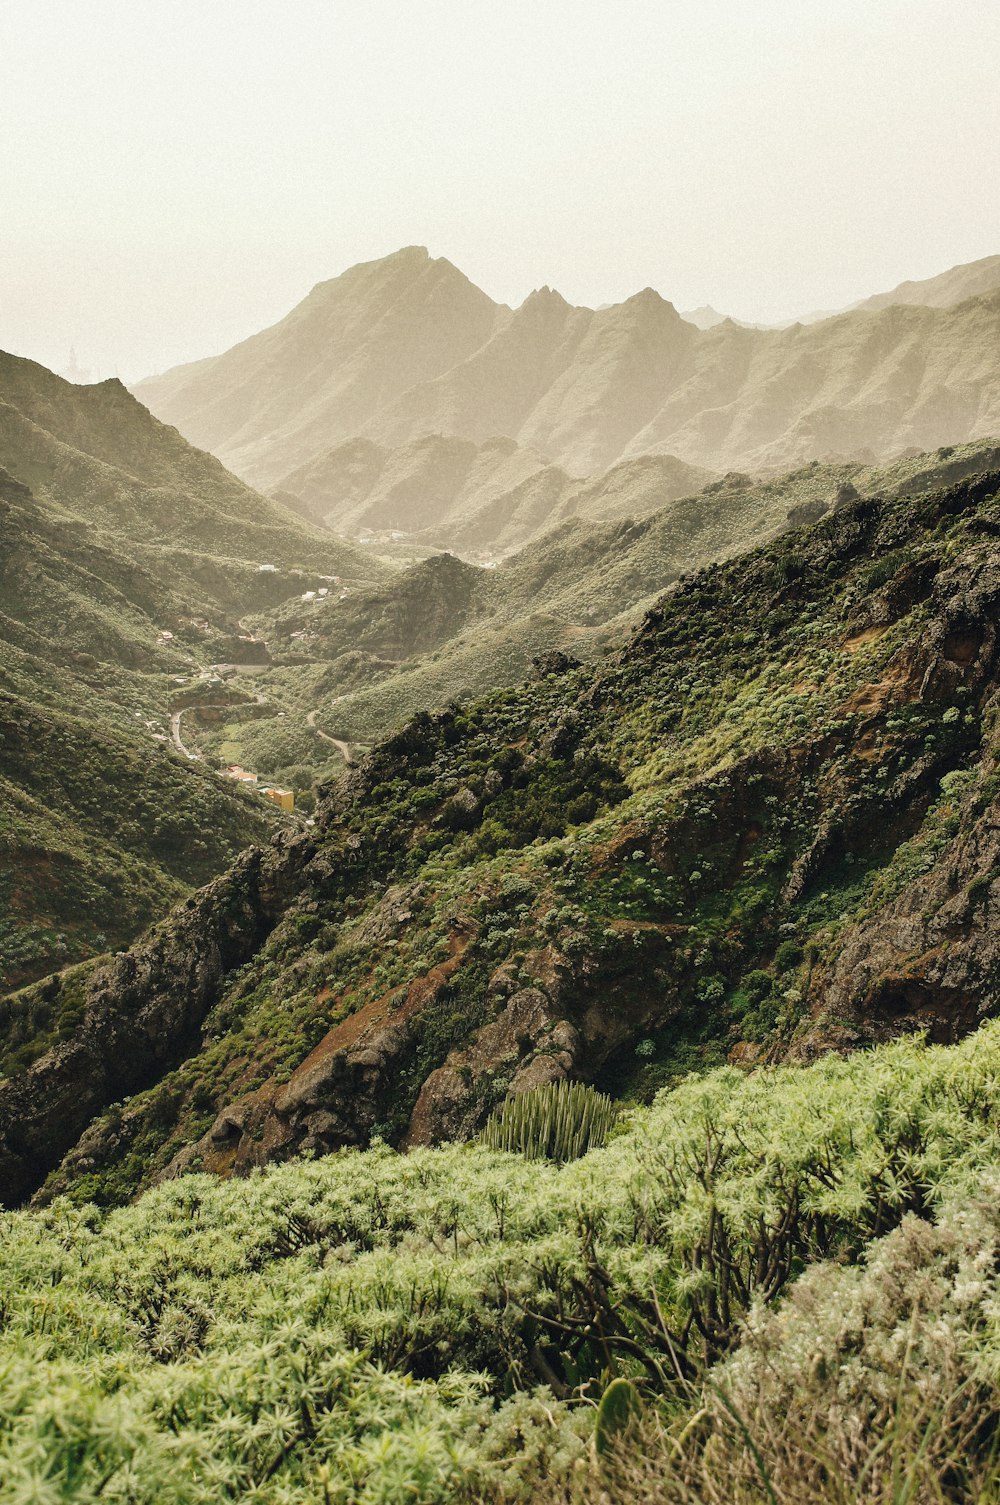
283	797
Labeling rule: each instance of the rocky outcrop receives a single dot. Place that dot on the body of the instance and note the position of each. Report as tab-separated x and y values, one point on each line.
930	960
523	1047
347	1088
142	1012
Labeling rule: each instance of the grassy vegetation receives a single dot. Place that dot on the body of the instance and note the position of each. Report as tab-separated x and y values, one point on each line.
444	630
816	1245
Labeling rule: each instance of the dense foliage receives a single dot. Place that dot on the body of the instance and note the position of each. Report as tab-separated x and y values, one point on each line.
440	1325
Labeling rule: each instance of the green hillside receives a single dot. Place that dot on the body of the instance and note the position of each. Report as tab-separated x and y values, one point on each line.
360	664
764	828
114	595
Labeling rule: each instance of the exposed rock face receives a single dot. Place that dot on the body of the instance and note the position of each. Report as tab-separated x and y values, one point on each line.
343	1091
929	960
143	1011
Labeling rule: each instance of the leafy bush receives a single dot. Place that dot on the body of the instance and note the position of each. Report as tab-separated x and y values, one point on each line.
374	1327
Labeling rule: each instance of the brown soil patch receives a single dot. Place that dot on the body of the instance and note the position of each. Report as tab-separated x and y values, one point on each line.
861	639
625	926
413	995
903	672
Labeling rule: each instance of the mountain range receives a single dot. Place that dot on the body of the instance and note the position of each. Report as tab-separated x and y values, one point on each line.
969	280
599	1061
396	350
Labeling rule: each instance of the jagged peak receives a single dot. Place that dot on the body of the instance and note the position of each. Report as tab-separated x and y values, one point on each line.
544	298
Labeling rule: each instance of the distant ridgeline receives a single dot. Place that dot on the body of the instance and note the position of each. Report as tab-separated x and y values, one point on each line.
399	398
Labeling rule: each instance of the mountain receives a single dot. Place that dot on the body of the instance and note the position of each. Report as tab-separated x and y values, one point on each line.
428	486
350	348
475	498
349	668
581	388
127	560
766	828
705	317
970	280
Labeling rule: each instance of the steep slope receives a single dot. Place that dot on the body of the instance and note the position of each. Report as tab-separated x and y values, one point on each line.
100	828
863	385
400	349
352	346
125	568
477	499
768	827
428	487
98	454
577	385
350	667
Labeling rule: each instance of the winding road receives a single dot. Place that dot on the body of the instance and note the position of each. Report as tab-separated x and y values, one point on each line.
344	748
222	705
175	737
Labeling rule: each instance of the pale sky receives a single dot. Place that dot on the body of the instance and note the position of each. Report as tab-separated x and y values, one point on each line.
176	174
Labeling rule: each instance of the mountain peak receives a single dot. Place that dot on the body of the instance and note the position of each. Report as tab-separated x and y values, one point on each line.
545	296
649	298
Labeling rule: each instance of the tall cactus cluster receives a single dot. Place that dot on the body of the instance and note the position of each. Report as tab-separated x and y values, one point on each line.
560	1121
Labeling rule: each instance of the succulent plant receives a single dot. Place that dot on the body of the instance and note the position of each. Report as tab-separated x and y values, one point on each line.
560	1121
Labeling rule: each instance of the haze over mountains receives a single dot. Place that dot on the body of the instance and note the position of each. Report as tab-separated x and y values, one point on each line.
966	281
403	348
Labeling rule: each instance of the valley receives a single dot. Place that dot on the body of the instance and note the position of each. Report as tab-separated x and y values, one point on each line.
499	754
457	892
127	559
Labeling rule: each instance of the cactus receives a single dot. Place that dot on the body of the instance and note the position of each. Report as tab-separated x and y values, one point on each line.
619	1409
560	1121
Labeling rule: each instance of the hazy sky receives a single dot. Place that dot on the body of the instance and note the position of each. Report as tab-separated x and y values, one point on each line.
175	174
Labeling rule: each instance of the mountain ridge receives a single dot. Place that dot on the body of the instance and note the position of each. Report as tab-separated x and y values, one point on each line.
585	388
765	829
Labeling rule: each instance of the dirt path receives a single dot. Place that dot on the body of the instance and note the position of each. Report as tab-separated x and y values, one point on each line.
344	748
